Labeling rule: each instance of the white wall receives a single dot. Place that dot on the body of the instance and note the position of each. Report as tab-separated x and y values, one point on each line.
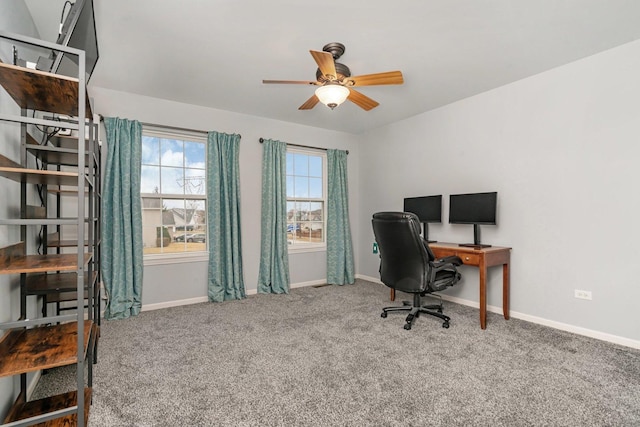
562	150
187	281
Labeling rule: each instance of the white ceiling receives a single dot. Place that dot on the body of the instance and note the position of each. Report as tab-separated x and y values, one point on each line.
215	53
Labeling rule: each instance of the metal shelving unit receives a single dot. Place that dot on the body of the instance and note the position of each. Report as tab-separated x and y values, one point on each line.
65	165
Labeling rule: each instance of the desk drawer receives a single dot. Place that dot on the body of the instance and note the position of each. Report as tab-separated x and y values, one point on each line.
467	257
470	259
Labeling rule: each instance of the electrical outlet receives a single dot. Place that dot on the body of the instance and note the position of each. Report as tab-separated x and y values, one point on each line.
582	294
375	247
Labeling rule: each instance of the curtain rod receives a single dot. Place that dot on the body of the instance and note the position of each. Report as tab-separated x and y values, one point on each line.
169	127
301	146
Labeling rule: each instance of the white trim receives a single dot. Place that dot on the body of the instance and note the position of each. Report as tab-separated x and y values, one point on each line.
177	303
302	248
369	278
198	300
159	131
32	384
615	339
177	258
309	283
522	316
295	285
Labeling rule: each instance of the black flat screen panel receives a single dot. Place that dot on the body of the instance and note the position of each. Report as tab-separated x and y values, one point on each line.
473	208
79	31
428	208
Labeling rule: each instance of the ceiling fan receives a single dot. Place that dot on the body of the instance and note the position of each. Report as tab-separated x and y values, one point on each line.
335	83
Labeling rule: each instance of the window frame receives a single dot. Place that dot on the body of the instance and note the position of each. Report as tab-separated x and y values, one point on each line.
311	246
181	135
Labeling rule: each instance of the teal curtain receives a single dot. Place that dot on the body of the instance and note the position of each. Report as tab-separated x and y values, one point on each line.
340	268
121	250
225	280
274	256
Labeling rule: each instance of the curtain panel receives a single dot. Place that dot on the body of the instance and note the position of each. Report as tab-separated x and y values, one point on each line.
225	277
274	256
121	251
340	265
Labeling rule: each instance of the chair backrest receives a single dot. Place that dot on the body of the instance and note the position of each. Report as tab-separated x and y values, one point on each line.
404	257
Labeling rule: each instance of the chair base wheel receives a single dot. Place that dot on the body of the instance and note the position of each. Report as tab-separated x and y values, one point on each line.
416	310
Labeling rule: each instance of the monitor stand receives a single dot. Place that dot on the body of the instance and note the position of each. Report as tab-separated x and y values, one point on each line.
476	239
473	245
425	233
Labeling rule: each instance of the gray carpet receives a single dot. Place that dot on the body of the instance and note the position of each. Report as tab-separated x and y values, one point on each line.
325	357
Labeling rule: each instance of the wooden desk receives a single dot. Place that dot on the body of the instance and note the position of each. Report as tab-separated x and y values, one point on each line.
483	259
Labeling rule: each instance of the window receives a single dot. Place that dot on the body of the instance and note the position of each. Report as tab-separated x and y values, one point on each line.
306	199
173	193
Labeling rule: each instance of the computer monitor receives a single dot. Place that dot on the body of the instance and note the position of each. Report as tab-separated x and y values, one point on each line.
473	208
427	208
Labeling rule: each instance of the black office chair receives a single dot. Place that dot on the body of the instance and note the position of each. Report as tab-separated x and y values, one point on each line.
408	265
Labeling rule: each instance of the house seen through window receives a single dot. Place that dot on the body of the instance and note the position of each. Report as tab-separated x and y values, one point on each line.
306	198
173	193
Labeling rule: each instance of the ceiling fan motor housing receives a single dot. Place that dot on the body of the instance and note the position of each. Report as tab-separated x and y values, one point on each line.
336	50
342	72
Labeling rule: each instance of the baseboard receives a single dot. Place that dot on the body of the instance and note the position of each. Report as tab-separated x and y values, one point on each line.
310	283
33	383
534	319
197	300
517	315
369	278
176	303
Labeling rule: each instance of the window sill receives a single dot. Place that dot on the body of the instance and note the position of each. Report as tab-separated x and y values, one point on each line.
163	259
303	249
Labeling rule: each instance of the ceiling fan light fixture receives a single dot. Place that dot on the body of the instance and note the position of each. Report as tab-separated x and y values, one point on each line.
332	95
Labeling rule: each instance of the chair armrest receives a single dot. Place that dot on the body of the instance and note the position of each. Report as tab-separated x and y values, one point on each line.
452	260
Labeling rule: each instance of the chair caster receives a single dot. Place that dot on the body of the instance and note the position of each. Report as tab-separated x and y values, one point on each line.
407	326
383	315
445	325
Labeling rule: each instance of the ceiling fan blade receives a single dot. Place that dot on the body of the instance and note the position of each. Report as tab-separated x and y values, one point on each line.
310	103
289	82
361	100
388	78
325	63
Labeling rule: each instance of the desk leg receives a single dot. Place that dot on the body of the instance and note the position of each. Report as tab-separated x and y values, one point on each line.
483	296
392	297
505	290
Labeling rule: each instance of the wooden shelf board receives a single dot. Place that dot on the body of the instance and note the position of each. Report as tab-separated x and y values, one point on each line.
36	176
36	212
64	192
66	297
42	283
21	410
29	350
66	141
42	91
42	263
62	150
55	156
64	243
